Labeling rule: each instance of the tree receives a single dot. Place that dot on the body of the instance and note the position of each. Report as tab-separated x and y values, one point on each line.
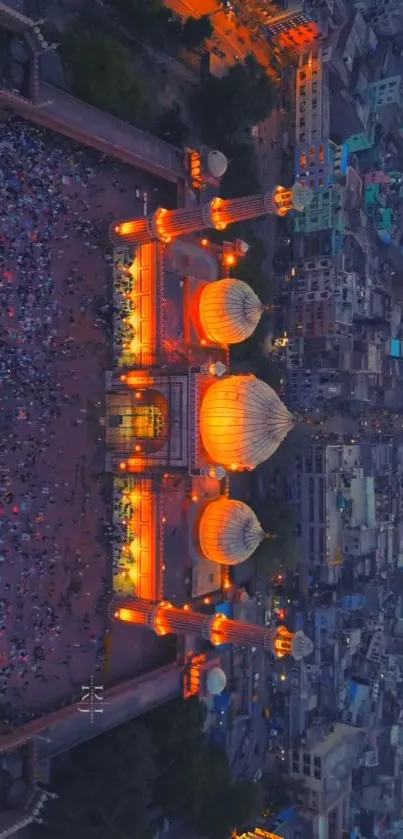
278	518
238	100
105	789
196	31
102	74
171	127
194	780
241	177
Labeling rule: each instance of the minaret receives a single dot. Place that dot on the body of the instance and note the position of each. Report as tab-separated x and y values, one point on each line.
165	619
166	225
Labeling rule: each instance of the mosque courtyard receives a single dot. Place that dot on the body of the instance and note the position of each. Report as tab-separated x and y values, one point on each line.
54	554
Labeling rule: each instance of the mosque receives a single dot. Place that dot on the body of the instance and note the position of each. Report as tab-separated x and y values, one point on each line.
178	422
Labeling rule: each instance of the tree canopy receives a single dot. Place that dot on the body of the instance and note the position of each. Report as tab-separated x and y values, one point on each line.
102	74
194	779
241	177
105	789
171	127
224	107
111	787
196	31
278	518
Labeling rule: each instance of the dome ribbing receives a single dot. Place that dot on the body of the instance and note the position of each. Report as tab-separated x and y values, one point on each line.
229	532
242	422
229	311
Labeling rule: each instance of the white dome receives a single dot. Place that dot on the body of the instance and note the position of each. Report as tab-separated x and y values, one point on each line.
216	681
217	163
229	311
229	531
242	422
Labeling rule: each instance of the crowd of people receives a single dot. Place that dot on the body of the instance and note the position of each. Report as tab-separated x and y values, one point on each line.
55	198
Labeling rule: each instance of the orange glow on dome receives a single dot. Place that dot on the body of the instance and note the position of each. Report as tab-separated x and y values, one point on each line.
242	421
229	531
229	311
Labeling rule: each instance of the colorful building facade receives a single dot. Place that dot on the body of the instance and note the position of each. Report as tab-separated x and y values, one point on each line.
319	164
325	212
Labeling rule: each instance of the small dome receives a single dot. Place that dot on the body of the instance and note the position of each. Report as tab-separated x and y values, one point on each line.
229	532
229	311
217	163
301	197
242	422
216	681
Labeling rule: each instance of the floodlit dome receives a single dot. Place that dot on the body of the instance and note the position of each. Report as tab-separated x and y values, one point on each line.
217	163
229	311
216	681
242	422
229	532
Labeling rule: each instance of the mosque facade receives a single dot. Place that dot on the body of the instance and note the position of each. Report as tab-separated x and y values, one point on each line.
178	422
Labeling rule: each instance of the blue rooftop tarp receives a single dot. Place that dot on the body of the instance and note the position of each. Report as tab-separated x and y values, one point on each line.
287	815
222	701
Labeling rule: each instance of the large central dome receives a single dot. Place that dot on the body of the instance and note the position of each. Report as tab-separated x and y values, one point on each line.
229	531
229	311
242	422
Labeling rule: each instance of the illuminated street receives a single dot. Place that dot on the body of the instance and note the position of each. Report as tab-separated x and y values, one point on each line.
231	39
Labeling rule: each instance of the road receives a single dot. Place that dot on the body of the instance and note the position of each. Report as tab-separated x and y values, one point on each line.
65	729
231	39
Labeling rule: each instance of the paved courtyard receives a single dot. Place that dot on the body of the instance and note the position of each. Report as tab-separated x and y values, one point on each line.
55	197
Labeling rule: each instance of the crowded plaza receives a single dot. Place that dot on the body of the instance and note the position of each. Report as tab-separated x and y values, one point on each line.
56	200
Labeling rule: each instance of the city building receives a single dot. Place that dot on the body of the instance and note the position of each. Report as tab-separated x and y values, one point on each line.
386	92
386	16
312	115
299	27
319	165
323	762
326	211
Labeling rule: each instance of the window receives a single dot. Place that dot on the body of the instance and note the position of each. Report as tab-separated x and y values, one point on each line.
302	138
307	765
295	760
321	183
321	153
317	768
